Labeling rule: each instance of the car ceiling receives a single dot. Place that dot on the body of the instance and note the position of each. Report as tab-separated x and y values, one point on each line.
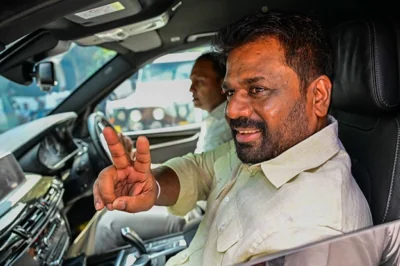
186	17
192	16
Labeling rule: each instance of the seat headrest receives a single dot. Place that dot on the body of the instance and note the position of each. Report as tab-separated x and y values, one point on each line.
366	67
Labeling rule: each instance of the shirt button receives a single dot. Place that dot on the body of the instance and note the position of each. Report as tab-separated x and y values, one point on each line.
184	256
221	227
227	199
389	231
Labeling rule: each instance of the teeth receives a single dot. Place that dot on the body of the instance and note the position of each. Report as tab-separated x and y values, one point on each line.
248	132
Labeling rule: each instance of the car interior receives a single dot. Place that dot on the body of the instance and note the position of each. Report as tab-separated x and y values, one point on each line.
365	101
54	158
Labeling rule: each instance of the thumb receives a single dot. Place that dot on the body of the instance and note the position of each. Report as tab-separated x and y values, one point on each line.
139	203
143	160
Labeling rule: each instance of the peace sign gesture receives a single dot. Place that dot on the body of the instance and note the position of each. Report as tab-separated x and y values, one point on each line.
127	185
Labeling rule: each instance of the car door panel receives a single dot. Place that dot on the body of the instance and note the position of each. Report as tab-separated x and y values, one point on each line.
169	143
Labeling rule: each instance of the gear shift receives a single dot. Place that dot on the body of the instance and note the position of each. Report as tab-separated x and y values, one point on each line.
134	239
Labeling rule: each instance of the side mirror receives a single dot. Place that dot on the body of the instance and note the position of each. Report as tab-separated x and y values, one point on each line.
45	75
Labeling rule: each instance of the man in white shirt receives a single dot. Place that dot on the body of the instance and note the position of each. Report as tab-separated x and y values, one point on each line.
285	180
207	76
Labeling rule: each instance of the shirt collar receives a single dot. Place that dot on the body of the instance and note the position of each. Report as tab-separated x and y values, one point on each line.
219	111
308	154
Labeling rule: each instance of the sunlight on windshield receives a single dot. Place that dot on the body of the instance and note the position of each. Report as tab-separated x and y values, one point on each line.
167	71
20	104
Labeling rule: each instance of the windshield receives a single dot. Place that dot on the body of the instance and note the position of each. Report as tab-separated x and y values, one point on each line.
167	71
20	104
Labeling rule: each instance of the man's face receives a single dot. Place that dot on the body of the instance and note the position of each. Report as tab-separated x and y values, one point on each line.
266	109
206	87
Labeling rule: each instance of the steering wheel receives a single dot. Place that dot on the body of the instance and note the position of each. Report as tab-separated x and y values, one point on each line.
96	123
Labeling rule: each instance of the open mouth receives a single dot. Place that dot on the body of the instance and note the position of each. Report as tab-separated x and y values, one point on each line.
244	135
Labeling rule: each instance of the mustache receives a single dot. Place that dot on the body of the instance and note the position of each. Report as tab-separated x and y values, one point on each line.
249	123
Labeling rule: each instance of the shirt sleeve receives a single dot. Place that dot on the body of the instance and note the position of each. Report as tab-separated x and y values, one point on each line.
196	175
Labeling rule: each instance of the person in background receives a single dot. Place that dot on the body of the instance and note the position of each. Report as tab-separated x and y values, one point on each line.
207	76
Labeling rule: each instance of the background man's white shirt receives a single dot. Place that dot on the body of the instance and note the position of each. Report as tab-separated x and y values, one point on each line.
214	130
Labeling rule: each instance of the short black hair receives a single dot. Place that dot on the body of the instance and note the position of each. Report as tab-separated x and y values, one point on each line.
217	61
306	45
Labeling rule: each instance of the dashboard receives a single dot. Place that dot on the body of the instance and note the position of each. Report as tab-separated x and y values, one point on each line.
35	228
46	196
47	147
16	139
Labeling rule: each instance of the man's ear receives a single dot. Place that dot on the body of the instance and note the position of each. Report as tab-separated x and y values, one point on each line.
321	95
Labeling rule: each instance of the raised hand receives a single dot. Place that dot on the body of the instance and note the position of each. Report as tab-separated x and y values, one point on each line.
127	185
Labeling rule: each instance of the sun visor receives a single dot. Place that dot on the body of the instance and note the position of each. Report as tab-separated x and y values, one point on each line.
105	11
143	42
125	32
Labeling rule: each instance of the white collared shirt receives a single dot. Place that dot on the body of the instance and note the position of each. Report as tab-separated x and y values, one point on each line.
214	130
305	194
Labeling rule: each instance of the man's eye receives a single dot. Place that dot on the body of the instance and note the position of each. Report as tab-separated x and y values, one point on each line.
255	90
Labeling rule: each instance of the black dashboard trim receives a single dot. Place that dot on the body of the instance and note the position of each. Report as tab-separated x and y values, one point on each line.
21	138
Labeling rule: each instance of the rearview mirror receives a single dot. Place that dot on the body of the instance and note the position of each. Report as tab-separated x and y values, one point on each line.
45	75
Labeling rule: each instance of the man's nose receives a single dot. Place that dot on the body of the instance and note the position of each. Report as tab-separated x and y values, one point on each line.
192	88
238	106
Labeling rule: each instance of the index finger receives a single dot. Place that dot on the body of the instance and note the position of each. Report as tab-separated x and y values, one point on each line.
119	156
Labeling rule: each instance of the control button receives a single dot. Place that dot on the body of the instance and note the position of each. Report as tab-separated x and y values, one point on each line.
46	242
130	259
182	243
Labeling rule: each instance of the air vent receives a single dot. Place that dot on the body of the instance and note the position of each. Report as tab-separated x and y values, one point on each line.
33	221
27	228
38	213
50	195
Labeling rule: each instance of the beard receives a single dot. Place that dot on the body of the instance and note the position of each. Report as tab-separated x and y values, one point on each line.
272	144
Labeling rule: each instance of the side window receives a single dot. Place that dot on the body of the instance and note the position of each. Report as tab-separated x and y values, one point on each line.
157	96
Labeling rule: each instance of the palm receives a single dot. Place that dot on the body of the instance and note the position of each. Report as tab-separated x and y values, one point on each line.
127	184
130	182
